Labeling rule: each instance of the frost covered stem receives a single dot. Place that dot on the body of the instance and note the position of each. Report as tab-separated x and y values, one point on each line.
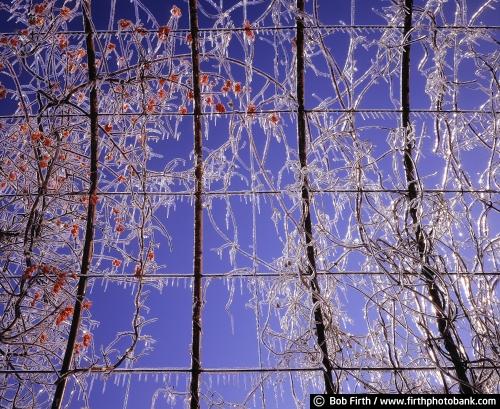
444	324
198	213
306	201
89	231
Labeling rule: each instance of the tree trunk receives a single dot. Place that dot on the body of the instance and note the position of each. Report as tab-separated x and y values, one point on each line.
89	232
198	214
444	324
306	223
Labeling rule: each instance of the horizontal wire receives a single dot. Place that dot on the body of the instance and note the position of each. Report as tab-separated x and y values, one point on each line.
264	112
246	192
242	370
230	275
258	30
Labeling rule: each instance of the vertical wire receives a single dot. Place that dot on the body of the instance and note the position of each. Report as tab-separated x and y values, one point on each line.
254	267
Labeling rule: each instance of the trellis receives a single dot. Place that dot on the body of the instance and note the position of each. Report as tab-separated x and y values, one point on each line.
430	308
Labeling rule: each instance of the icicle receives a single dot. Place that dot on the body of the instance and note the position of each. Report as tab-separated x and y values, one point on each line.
232	254
91	386
127	391
228	209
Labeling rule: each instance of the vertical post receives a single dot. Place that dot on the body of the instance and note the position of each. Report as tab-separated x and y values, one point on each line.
445	326
198	213
306	204
89	231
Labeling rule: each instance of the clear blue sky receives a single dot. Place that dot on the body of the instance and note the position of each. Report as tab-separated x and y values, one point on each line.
229	317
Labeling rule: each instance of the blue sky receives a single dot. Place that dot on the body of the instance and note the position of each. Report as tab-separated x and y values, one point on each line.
261	156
